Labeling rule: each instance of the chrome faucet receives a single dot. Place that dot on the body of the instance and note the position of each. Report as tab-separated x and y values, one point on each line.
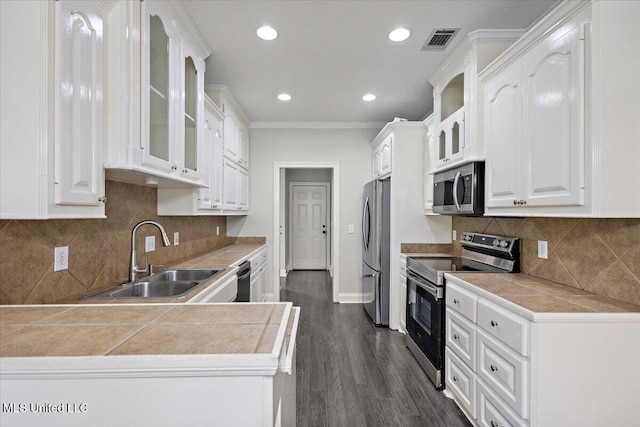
133	267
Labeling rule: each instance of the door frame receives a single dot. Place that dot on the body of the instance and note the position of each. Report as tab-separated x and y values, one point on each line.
334	223
327	185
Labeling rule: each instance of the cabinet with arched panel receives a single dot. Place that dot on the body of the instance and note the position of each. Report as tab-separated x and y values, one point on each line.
457	97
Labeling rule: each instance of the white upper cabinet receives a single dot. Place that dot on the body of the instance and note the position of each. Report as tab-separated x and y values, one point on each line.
159	92
503	128
381	158
191	111
154	137
457	97
557	126
231	143
53	109
80	63
206	200
243	149
431	153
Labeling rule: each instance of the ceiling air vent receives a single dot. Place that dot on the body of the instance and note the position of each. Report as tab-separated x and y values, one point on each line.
439	39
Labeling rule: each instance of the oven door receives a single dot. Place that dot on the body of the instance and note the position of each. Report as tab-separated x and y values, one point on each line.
425	317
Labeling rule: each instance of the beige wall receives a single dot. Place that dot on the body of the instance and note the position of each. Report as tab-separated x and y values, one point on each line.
98	248
598	255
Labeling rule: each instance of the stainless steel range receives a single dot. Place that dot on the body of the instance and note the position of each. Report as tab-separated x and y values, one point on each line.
426	288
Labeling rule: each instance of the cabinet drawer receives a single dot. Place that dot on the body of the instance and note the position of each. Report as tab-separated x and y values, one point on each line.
508	327
461	301
493	412
460	381
506	372
461	338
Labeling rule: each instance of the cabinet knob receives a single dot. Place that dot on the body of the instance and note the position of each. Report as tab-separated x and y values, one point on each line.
455	378
515	202
524	202
102	199
174	167
455	301
494	323
493	368
456	337
494	424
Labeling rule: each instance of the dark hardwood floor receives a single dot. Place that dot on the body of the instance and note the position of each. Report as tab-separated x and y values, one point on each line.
351	373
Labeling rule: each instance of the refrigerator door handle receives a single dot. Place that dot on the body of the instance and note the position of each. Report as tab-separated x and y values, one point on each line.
365	232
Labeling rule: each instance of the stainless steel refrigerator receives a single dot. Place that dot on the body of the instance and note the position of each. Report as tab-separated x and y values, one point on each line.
376	201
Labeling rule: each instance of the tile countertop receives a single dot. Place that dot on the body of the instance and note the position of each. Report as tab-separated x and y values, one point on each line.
226	259
539	299
140	329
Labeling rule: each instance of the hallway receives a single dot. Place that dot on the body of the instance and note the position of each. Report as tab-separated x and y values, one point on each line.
350	373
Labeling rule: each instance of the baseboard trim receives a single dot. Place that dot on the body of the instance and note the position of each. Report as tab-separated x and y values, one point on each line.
351	298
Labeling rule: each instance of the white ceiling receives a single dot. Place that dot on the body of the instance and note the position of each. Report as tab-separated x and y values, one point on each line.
330	53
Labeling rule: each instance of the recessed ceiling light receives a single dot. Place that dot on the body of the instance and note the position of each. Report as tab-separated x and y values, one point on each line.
369	97
399	34
266	33
284	97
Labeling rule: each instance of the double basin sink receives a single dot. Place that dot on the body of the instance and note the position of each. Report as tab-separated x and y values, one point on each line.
168	283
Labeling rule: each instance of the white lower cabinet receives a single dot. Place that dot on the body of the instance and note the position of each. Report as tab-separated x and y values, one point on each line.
259	282
227	291
508	366
461	381
493	412
403	293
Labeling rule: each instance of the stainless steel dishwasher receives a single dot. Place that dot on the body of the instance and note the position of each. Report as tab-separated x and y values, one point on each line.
244	282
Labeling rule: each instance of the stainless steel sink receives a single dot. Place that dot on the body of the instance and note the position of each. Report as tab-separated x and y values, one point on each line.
155	289
182	275
169	283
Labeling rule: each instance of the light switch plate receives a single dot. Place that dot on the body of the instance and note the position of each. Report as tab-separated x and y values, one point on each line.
61	258
453	235
542	249
150	243
351	229
176	238
217	230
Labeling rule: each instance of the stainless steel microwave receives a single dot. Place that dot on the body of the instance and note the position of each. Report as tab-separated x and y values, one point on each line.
459	191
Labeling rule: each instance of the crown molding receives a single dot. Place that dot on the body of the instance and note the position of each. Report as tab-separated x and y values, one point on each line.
188	26
317	125
232	99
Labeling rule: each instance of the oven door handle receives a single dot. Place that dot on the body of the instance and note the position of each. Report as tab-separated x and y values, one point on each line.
456	181
434	291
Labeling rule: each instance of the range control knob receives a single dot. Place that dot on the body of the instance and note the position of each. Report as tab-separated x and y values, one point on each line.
504	243
496	242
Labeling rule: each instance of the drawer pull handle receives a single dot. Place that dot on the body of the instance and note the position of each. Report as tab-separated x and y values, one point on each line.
455	378
494	424
456	337
494	323
455	301
493	368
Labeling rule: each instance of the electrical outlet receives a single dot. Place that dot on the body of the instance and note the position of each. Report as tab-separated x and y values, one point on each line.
351	229
453	235
150	243
542	249
61	258
217	230
176	238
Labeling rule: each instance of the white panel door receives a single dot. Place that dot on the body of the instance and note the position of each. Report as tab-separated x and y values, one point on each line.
553	121
309	227
502	127
79	100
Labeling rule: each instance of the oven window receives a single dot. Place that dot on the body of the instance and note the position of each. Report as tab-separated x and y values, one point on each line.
420	310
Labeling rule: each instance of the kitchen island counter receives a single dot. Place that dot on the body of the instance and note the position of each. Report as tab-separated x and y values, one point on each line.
158	364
